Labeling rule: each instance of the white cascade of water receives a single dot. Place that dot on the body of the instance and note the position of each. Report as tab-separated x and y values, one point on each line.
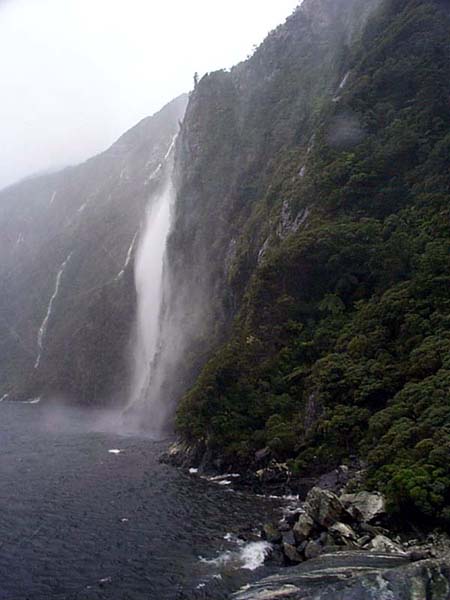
149	264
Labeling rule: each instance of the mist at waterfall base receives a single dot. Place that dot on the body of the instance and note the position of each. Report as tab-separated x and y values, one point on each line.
94	515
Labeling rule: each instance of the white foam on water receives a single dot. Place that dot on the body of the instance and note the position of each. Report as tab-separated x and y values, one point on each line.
233	538
223	477
32	401
223	559
254	554
193	471
250	557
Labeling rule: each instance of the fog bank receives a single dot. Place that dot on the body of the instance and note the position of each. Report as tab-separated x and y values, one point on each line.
75	74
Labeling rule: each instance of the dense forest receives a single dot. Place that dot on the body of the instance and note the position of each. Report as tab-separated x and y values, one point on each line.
340	337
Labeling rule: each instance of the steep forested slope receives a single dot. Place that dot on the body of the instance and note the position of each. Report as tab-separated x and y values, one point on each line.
307	280
67	242
319	181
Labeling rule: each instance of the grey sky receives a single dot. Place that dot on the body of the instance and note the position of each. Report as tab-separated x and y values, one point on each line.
75	74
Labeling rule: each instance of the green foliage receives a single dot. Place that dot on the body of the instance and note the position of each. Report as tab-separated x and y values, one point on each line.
342	343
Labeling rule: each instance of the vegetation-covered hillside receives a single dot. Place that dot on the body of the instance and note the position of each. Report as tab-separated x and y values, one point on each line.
339	273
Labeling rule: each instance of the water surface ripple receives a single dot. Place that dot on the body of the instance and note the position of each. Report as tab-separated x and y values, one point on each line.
78	522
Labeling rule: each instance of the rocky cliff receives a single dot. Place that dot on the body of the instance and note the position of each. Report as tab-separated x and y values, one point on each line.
67	244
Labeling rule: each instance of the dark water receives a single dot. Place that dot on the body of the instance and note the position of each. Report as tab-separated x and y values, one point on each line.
77	522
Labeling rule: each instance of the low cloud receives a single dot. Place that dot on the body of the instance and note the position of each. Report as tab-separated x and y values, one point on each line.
80	72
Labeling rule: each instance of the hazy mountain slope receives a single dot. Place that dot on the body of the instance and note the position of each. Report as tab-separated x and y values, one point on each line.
66	273
316	175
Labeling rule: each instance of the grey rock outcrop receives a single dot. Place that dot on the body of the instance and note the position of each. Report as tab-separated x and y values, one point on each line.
303	528
381	543
322	525
324	507
369	505
356	576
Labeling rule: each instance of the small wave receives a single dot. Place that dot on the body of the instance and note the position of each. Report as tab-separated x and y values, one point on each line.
254	555
249	557
5	397
287	498
115	451
222	477
223	480
233	538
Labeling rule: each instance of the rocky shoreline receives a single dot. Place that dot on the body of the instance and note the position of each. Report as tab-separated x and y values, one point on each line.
327	523
337	541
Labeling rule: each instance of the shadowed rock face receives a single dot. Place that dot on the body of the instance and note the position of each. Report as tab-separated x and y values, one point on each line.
356	576
67	296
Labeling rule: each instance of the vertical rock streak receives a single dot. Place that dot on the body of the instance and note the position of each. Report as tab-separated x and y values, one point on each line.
128	257
44	325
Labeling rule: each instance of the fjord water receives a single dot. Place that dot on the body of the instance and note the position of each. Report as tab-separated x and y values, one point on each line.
80	522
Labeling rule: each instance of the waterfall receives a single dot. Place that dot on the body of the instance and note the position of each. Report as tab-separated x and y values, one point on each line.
43	328
149	262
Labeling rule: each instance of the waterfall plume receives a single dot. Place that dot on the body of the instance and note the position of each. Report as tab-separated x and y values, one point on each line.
143	408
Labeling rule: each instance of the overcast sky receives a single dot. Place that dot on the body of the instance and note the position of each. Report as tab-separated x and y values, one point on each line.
75	74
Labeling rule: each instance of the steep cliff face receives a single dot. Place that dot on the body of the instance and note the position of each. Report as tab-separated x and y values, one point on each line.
239	128
311	234
67	244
